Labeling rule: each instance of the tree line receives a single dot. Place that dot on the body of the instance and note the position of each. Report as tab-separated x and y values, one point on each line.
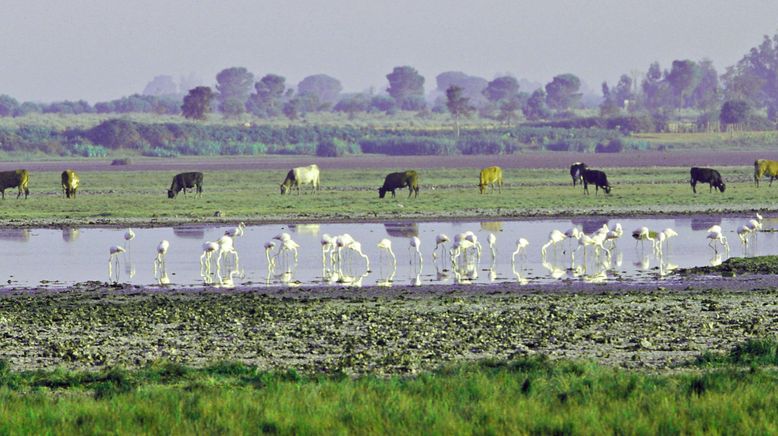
729	98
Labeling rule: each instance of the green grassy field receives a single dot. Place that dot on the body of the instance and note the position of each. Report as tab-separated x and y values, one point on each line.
117	197
723	393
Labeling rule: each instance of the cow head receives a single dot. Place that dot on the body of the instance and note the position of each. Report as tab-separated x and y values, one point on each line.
381	192
171	193
721	186
607	189
284	188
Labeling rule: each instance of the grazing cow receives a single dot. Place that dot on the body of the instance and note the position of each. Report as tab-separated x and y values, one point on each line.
186	180
764	167
13	179
576	172
596	178
69	183
400	180
706	175
301	176
490	176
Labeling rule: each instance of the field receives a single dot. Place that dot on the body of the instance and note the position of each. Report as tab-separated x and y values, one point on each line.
248	190
696	354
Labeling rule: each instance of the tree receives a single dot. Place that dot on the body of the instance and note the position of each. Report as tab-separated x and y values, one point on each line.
324	88
622	92
609	106
458	105
353	103
656	91
734	112
683	78
233	85
8	106
562	92
755	77
197	103
707	92
267	99
509	107
501	88
406	86
472	86
161	85
535	108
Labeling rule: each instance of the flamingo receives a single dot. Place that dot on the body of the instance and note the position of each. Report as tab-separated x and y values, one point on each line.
129	235
470	236
521	244
554	238
269	246
386	244
113	256
460	246
205	259
613	234
226	247
668	233
573	233
440	239
492	240
744	232
159	260
236	231
717	237
415	243
327	246
643	234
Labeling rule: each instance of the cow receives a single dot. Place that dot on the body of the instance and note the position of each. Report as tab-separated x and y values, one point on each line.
394	181
576	172
764	167
301	176
596	178
13	179
706	175
490	176
69	183
186	180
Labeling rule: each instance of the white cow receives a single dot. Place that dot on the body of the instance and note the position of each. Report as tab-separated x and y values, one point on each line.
301	176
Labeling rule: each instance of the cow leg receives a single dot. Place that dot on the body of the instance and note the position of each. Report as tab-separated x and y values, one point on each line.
771	180
694	186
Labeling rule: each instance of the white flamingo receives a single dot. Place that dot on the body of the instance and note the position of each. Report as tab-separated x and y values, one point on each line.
129	235
440	240
492	241
327	247
236	231
521	244
554	238
415	244
159	260
205	259
226	247
113	257
717	237
386	244
269	246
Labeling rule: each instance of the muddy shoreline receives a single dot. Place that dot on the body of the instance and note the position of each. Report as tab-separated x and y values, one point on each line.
651	325
502	215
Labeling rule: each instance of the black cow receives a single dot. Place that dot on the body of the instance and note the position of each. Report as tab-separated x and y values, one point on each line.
706	175
400	180
186	180
596	178
576	172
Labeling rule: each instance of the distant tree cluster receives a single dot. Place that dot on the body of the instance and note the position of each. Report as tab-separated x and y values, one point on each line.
745	90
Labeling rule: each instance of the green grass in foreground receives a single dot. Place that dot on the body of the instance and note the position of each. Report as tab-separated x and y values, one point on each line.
528	395
112	196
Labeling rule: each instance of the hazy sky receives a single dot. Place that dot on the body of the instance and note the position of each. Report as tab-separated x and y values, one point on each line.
104	49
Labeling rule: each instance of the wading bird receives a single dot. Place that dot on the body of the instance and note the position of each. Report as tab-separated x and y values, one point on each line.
521	244
440	240
386	244
415	244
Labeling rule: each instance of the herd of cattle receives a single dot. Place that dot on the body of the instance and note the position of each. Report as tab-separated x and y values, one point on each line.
309	175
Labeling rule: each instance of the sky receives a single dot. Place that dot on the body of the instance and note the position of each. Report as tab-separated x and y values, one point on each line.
100	50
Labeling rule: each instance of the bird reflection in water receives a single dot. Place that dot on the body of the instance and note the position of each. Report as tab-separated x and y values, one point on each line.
387	280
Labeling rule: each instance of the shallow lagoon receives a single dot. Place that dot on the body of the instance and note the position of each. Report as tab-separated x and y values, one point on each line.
53	257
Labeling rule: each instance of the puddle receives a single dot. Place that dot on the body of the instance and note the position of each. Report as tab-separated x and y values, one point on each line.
50	257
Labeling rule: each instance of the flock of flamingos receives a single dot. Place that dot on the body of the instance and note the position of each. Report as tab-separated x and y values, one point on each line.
340	252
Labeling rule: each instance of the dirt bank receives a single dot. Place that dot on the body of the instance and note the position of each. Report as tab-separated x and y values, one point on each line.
397	330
